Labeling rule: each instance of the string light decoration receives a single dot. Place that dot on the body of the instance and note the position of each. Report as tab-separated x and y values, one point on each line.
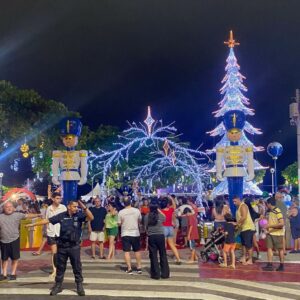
233	99
25	150
15	165
164	151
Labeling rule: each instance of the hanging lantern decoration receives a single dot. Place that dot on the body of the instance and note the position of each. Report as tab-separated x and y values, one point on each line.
25	149
166	147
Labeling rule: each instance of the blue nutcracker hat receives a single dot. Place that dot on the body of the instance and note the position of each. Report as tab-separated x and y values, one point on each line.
234	119
70	125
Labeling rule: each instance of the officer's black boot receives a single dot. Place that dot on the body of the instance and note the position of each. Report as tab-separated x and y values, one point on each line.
80	289
57	288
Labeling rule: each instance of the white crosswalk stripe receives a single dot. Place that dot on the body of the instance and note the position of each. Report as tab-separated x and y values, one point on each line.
102	278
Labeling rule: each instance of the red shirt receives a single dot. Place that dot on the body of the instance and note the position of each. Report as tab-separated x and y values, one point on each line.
192	221
169	214
145	210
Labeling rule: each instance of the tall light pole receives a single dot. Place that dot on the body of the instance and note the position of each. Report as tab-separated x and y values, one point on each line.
295	121
274	149
272	171
1	177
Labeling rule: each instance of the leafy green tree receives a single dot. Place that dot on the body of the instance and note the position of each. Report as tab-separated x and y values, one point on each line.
259	176
26	117
290	174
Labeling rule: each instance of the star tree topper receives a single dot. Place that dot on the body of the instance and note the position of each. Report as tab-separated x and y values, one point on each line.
149	121
231	41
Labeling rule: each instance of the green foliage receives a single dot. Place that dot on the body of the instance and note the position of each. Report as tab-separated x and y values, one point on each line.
259	176
290	174
27	111
26	116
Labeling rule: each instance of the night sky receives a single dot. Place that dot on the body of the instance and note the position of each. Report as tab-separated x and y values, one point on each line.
110	59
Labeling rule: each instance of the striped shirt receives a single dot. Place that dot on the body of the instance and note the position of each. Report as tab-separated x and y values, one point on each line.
275	215
10	226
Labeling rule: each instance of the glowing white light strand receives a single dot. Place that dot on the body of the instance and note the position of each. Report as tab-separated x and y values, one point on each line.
137	137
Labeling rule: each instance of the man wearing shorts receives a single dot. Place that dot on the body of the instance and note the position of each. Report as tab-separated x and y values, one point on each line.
10	238
129	219
53	231
274	239
96	228
247	229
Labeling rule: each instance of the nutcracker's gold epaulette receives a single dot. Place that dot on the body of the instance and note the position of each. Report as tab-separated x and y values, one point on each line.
56	154
220	150
83	154
249	149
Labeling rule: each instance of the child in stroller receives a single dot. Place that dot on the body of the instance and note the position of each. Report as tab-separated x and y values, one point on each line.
210	249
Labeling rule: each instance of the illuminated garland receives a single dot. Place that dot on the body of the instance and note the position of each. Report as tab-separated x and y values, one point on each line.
165	153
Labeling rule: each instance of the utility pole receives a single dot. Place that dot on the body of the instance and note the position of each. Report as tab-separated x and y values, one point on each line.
295	121
1	177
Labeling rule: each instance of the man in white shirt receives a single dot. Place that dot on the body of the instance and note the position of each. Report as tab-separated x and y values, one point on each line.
129	219
53	231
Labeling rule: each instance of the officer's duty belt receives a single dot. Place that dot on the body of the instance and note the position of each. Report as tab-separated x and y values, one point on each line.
231	166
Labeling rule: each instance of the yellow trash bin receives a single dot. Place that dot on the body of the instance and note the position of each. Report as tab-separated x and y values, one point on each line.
30	237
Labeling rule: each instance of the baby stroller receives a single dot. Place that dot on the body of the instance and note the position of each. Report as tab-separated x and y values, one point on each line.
210	250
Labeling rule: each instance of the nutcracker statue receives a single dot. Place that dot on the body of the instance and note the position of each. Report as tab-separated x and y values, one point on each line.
234	161
69	167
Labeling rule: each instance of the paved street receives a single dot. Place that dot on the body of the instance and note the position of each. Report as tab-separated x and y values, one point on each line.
108	280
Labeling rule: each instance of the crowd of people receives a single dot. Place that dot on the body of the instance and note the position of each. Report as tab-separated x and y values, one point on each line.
158	221
268	219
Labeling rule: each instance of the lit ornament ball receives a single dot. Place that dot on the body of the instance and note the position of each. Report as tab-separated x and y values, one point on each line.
274	150
25	154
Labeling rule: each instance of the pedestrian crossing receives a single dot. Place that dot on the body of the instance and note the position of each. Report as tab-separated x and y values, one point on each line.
108	279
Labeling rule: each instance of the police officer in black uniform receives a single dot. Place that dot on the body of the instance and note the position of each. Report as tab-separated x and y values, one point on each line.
68	243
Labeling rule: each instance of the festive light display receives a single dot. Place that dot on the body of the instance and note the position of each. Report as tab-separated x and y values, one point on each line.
233	99
164	151
149	121
15	165
24	149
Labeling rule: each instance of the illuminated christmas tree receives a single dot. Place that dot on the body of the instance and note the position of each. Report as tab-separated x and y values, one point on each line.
234	99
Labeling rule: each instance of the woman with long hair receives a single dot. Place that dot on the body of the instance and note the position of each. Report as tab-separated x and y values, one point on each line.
218	212
255	218
156	242
168	209
111	225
